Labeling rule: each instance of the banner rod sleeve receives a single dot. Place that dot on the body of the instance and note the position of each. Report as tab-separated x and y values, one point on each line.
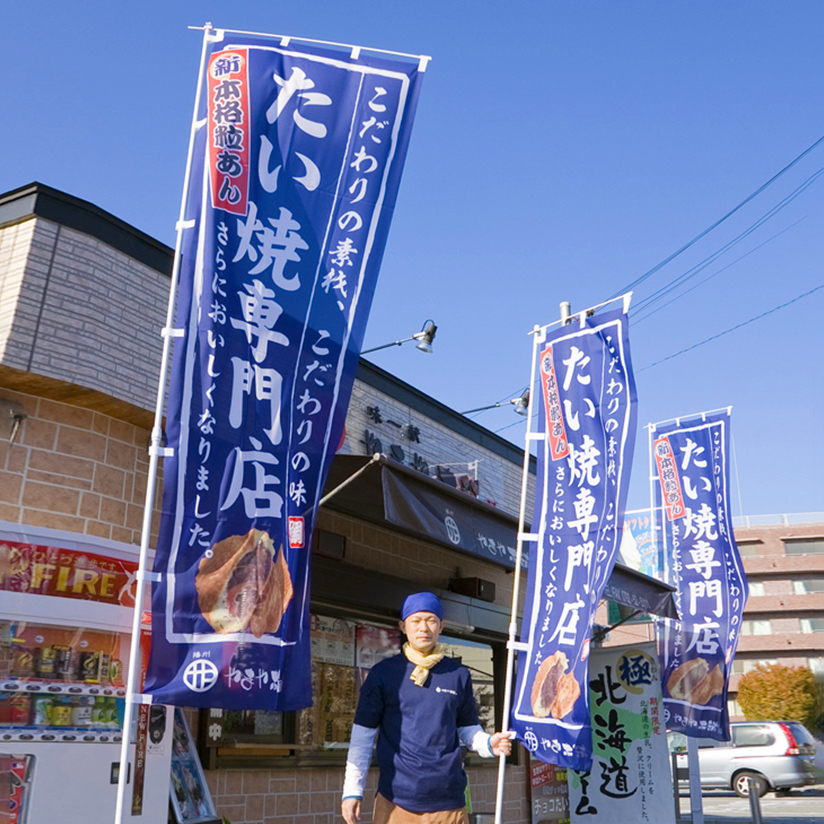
151	481
288	38
567	316
513	620
703	415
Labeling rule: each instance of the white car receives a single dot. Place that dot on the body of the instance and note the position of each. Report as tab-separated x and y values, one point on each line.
776	755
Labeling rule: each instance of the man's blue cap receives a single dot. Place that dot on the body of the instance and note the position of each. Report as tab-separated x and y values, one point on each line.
422	602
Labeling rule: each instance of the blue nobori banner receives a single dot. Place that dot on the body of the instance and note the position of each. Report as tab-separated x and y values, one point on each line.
296	167
702	562
584	462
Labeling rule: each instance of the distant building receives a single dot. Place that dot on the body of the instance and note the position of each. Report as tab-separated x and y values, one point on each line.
783	622
784	616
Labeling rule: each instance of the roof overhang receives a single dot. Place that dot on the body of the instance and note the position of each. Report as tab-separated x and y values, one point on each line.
385	492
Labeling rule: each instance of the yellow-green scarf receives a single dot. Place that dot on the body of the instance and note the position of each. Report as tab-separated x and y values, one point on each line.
423	663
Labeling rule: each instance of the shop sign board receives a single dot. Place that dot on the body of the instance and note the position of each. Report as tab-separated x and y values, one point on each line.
296	166
630	780
704	565
584	458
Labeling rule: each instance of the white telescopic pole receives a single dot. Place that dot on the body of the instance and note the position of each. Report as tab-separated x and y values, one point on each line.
133	679
513	619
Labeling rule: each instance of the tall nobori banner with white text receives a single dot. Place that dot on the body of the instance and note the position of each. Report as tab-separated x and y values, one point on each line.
702	562
298	160
584	463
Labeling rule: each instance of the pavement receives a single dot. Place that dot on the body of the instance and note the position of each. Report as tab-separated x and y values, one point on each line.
801	806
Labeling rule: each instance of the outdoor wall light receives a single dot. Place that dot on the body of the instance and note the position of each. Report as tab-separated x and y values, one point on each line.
13	414
424	338
521	405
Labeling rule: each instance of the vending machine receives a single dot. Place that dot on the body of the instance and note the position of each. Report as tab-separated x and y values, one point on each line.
66	611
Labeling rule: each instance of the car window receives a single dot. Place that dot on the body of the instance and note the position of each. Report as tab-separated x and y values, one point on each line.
752	735
800	733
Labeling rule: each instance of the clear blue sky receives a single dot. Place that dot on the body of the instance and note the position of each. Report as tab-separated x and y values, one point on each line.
562	149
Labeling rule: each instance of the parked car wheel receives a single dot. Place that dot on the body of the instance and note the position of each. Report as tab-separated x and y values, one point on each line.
741	784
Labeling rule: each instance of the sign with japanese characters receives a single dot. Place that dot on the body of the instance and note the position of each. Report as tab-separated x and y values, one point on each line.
456	523
583	474
549	793
630	779
703	563
298	158
42	569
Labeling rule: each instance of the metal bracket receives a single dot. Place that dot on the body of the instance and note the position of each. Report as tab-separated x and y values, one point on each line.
15	414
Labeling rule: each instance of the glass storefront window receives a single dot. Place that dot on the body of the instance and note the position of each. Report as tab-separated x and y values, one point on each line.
477	658
343	652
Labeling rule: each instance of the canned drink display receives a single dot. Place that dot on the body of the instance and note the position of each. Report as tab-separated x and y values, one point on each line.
113	721
90	667
82	711
20	709
61	712
67	664
41	712
98	711
103	668
23	663
116	672
46	662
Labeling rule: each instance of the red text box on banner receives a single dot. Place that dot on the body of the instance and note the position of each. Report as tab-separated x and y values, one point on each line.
668	478
229	131
556	430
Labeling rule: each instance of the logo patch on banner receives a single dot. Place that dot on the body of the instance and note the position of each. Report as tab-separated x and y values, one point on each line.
589	418
297	539
703	563
293	184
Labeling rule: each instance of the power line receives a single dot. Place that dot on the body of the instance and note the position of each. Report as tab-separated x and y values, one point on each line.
718	222
637	320
731	329
711	258
690	273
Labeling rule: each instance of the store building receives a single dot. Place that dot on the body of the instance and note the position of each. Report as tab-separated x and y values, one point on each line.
82	301
418	497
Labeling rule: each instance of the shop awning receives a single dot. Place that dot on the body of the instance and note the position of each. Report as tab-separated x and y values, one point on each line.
388	493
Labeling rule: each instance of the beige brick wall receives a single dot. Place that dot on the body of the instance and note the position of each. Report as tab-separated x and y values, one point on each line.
75	309
75	469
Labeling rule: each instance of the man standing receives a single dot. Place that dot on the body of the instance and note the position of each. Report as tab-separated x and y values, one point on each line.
421	707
